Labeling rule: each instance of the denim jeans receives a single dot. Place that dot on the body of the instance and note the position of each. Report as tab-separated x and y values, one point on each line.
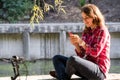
65	67
59	63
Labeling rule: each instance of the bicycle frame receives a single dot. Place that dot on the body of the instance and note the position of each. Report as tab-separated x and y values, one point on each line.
15	65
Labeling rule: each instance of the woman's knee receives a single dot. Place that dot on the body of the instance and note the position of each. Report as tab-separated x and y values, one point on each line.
56	57
71	60
70	67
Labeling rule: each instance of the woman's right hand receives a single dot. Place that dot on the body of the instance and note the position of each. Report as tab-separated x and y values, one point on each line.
74	39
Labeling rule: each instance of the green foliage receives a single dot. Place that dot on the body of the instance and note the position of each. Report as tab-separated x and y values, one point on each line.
82	2
16	10
13	10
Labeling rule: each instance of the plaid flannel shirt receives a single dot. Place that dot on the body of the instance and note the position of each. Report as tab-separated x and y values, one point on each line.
97	47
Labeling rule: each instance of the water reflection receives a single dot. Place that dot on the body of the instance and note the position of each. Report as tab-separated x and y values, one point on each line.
46	66
41	67
115	66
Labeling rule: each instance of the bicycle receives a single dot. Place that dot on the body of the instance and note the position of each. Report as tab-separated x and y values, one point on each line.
15	61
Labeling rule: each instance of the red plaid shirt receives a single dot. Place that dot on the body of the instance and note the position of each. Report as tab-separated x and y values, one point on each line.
97	47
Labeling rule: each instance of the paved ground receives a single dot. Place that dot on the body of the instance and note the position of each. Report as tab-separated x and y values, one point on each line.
111	76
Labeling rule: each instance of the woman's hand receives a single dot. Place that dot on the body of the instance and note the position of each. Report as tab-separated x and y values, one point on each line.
76	40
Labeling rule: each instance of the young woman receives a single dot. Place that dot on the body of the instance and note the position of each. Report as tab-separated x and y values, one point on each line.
93	48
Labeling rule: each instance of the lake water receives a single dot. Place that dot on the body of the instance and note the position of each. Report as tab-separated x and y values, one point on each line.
40	67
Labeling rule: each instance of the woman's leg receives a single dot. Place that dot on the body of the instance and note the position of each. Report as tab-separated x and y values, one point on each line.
59	63
85	68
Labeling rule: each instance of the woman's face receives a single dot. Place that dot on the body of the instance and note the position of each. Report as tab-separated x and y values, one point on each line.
87	20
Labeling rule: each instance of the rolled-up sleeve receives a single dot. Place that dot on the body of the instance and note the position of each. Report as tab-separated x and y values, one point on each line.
81	53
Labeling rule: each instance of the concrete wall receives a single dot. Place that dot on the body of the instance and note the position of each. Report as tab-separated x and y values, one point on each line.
46	39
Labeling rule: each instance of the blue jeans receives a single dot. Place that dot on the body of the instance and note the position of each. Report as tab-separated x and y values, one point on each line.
65	67
59	63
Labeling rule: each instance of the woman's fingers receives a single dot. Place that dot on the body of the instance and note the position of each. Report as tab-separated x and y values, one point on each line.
74	39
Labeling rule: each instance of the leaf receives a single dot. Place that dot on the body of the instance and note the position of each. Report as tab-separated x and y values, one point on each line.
59	7
37	15
63	10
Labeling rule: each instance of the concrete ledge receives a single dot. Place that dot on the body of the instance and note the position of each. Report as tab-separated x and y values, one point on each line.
111	76
51	27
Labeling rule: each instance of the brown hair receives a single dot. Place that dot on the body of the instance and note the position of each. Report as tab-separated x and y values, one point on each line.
93	11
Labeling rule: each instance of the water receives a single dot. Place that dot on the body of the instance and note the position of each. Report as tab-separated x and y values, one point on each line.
115	66
38	67
41	67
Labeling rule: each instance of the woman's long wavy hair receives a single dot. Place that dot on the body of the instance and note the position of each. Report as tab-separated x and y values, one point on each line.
93	11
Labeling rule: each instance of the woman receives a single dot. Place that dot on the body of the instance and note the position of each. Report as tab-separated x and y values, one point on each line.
92	61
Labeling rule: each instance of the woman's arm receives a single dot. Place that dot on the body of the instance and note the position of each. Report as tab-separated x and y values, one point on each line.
97	48
75	40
